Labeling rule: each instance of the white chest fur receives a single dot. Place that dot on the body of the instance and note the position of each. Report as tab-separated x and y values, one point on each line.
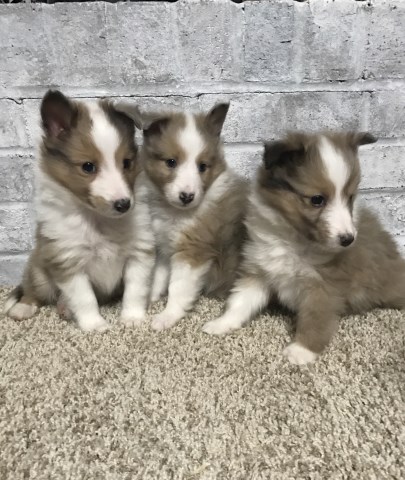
278	252
82	240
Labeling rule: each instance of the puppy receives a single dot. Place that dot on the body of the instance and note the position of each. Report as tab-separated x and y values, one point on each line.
93	228
197	206
310	246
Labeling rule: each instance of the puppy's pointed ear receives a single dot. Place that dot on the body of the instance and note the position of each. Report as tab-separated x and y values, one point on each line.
58	114
356	139
215	118
154	126
281	151
131	111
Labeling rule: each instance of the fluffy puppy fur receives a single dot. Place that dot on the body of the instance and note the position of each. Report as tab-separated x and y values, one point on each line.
197	205
93	225
310	246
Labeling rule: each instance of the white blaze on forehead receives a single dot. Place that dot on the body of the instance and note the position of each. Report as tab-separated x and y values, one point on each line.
187	177
335	164
109	183
103	133
337	211
190	139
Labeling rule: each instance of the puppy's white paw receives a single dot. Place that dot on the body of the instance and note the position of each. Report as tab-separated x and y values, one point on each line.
134	320
220	326
298	354
94	324
22	311
162	321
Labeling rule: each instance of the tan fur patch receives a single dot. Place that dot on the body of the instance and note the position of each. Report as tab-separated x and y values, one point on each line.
217	236
162	146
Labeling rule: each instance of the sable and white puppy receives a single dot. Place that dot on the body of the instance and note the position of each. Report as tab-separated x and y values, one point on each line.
93	225
310	246
197	205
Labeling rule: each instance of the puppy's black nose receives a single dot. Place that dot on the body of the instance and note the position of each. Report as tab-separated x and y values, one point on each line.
346	240
186	197
122	205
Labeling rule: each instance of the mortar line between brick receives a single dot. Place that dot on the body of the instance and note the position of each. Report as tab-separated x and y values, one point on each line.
383	142
199	89
14	205
379	191
241	146
22	152
4	254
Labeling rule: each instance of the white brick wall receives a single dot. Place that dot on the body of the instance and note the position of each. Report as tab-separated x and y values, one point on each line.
283	64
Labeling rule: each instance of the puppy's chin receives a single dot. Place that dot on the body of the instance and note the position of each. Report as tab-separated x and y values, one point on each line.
181	206
106	210
176	203
334	246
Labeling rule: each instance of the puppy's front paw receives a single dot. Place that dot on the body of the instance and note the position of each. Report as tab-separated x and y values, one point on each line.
220	326
22	311
298	354
134	320
162	321
94	324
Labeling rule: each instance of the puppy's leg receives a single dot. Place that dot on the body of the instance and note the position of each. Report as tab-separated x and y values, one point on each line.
186	282
249	295
318	316
138	272
36	289
160	280
20	306
82	301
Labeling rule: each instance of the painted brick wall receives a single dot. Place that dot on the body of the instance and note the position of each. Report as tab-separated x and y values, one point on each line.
283	64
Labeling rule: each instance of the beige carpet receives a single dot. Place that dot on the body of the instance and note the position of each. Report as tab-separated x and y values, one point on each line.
135	404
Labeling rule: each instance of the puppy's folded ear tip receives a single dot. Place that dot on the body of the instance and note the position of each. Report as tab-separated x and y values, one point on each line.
223	105
367	138
357	139
132	111
215	118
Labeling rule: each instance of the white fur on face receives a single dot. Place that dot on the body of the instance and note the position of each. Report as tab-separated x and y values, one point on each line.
187	178
337	212
109	182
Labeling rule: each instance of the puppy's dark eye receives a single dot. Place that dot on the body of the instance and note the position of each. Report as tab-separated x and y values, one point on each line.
89	167
127	162
318	201
171	163
202	167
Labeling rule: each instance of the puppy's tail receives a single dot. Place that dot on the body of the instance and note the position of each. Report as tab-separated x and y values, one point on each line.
13	298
